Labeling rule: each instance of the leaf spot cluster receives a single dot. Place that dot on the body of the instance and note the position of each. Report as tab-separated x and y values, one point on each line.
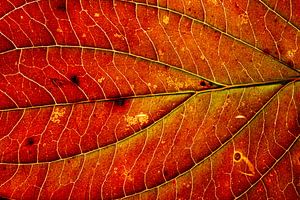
243	19
57	114
140	119
100	80
291	53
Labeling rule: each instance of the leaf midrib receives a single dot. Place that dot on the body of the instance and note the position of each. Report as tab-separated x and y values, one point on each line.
162	118
224	144
246	85
197	163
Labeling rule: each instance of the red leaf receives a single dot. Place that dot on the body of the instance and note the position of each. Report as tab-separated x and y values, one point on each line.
149	99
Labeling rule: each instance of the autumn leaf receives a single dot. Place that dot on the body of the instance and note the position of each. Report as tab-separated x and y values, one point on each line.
146	99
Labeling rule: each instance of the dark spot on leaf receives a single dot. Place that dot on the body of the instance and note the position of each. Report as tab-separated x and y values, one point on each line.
210	84
62	6
120	102
166	67
237	156
74	79
266	51
29	141
290	64
202	83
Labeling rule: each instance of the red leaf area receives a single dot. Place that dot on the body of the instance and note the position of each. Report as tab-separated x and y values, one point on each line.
149	99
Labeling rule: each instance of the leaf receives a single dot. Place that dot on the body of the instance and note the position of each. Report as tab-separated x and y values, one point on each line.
149	99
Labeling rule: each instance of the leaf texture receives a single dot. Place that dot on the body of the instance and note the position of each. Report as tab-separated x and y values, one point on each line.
149	99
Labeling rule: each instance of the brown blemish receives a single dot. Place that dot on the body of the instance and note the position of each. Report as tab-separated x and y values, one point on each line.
202	83
239	157
266	51
29	141
62	6
74	79
120	102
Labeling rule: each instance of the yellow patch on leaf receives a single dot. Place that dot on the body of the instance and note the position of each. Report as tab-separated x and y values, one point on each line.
57	114
140	118
166	19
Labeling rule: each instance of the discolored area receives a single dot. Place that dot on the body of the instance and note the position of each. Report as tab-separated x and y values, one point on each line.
75	79
120	102
203	83
237	156
29	141
61	5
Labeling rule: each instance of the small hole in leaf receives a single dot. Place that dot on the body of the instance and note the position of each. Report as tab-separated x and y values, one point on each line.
237	156
120	102
74	79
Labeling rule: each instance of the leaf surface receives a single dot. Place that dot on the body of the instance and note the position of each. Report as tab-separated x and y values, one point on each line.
149	99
